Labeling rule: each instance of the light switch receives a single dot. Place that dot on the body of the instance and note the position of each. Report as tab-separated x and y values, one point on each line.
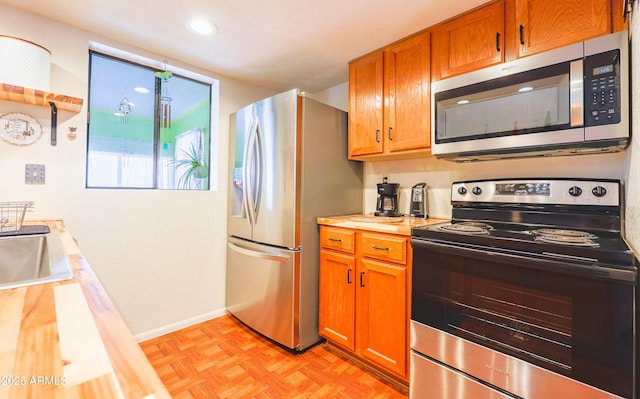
33	174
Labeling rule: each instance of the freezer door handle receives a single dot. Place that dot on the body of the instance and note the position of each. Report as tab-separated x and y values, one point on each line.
259	255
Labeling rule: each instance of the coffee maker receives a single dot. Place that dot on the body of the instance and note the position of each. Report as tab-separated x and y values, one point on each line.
387	199
418	207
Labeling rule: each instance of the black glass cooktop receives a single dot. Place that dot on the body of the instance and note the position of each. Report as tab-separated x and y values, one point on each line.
599	246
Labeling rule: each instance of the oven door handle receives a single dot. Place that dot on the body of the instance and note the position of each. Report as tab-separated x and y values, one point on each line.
575	267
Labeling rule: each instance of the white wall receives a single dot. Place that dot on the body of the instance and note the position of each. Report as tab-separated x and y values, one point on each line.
159	254
337	96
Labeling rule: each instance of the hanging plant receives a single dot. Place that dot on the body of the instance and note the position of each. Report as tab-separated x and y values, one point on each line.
195	168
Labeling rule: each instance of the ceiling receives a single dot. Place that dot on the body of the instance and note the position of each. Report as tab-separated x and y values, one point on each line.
278	44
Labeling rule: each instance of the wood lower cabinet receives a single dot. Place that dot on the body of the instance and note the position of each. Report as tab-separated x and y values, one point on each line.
337	298
389	101
364	297
542	25
381	314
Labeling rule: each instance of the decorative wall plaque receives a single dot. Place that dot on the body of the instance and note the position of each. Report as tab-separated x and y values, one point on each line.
19	129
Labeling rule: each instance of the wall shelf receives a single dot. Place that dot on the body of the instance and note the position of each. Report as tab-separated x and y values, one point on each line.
38	97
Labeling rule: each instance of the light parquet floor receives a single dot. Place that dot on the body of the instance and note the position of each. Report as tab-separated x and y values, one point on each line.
222	358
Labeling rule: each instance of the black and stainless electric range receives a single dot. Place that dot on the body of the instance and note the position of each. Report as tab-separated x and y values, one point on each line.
528	292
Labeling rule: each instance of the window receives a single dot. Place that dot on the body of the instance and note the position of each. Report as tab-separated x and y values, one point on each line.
147	129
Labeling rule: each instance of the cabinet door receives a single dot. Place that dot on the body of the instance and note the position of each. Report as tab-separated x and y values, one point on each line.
365	105
381	314
472	41
337	298
547	24
407	81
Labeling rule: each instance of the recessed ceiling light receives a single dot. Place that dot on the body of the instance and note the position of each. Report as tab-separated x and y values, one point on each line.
525	89
201	27
462	102
142	90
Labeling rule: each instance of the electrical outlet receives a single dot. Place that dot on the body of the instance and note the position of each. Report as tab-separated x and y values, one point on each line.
33	174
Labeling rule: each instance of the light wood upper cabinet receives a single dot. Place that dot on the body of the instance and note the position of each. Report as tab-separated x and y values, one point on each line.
407	94
543	25
389	89
365	105
389	101
472	41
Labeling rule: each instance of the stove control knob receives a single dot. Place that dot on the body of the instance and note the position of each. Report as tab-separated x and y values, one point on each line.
476	190
599	191
462	190
575	191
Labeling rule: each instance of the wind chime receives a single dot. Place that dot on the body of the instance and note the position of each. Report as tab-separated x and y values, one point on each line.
165	99
124	109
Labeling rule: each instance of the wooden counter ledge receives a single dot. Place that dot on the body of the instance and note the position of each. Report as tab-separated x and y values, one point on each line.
66	340
371	223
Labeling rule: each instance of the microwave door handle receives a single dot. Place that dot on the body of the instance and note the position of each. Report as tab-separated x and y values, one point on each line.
576	90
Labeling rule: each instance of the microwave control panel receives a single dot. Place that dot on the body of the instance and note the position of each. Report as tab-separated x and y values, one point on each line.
602	88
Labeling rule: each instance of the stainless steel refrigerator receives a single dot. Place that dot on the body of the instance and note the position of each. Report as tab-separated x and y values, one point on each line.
288	166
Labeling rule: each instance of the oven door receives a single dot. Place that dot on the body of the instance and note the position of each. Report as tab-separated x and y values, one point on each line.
548	314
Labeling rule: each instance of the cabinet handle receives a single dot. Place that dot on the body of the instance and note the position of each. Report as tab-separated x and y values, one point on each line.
348	276
380	248
361	282
389	133
498	41
377	135
335	239
521	34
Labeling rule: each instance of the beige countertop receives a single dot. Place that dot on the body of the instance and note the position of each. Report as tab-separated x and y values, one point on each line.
400	225
67	340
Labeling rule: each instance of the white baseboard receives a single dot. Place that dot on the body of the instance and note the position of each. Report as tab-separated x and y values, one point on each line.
169	328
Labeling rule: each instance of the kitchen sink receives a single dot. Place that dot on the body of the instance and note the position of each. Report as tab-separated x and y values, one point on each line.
32	259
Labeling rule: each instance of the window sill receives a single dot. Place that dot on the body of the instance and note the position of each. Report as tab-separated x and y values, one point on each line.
38	97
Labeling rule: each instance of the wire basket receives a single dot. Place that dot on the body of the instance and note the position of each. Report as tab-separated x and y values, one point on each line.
12	215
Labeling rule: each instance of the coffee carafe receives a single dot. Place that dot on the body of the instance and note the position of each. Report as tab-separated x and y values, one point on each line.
387	199
418	207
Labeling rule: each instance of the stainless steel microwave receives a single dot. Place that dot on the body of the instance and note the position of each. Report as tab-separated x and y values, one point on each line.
571	100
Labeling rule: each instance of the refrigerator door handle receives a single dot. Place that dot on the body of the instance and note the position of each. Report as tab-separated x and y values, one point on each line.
259	255
248	173
257	159
245	174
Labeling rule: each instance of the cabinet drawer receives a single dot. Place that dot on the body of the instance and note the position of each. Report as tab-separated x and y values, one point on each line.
384	247
338	239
